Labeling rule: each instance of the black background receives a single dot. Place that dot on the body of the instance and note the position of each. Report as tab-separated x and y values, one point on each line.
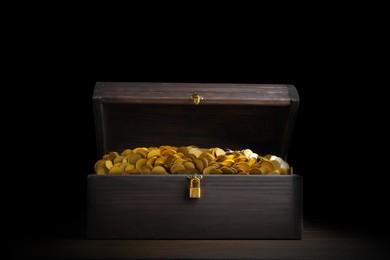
48	75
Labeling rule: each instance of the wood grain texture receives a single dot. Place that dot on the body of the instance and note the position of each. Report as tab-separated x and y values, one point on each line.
158	207
180	93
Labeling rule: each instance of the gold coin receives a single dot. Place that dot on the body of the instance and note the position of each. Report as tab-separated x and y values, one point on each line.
151	161
195	151
247	153
264	170
189	165
129	168
204	161
112	155
275	172
153	153
267	164
243	165
208	169
99	163
199	165
115	170
183	150
124	165
252	161
179	161
140	163
118	159
127	152
140	149
102	170
159	161
109	164
228	162
178	168
227	170
218	151
159	170
171	159
167	152
135	171
147	169
276	164
216	171
133	158
221	158
255	171
284	165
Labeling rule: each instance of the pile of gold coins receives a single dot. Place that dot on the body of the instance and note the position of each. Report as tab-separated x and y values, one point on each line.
190	160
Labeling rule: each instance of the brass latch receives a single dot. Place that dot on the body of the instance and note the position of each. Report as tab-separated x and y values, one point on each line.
195	191
196	98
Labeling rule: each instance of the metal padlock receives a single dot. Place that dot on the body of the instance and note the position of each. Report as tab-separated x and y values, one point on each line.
195	188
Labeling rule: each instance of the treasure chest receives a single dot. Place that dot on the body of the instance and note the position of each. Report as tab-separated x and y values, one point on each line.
255	117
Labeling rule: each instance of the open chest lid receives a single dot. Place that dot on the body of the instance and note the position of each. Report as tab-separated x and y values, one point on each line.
230	116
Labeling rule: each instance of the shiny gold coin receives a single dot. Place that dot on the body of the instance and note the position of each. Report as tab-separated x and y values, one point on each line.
135	171
252	161
179	161
208	169
207	155
195	151
275	172
247	153
243	165
109	164
227	170
147	169
178	168
221	158
284	165
264	170
124	165
167	152
115	170
189	165
112	155
199	165
127	152
140	149
133	158
283	171
129	168
159	170
204	161
276	164
183	150
99	164
153	153
216	171
159	161
267	164
140	163
151	161
142	153
218	152
255	171
102	170
119	159
228	162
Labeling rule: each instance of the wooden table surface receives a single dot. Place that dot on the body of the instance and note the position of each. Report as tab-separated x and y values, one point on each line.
318	243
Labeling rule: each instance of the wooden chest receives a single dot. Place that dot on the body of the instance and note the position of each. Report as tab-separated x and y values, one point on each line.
234	116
